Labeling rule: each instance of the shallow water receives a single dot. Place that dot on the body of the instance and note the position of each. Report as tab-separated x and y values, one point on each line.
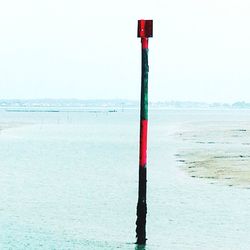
69	181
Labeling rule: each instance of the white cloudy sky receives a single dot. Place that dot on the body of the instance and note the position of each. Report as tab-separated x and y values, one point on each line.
88	49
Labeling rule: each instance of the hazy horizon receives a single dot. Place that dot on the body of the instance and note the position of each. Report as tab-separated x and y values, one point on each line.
114	99
89	50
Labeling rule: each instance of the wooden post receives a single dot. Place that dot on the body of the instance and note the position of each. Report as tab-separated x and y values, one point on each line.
145	30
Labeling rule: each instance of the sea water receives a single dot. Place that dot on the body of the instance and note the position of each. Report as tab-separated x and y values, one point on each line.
69	180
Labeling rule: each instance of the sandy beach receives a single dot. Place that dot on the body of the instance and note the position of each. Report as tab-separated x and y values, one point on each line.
7	125
216	152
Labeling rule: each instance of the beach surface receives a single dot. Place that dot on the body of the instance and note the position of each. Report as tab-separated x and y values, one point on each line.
218	152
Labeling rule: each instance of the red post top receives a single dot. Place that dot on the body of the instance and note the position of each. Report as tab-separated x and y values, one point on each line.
145	28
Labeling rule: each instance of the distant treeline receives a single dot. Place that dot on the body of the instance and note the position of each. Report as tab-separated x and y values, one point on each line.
218	105
118	103
66	103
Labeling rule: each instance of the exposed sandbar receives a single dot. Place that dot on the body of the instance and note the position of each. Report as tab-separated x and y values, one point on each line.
219	153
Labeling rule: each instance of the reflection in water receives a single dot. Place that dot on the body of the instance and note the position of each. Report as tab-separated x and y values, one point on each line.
140	247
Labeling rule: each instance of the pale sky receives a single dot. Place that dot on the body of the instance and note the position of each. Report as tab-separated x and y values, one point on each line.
89	49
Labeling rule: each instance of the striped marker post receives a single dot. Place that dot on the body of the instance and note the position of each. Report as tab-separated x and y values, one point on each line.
145	30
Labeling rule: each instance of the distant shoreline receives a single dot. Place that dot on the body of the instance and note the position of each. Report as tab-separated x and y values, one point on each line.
120	103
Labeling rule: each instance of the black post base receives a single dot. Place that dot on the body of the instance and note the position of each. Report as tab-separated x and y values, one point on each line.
141	208
141	222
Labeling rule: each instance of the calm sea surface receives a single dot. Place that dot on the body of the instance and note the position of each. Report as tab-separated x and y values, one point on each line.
68	180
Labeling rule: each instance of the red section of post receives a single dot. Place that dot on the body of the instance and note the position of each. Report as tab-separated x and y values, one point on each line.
143	143
144	42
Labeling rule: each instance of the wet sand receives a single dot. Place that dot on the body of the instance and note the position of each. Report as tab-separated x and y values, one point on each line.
4	126
216	152
8	125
